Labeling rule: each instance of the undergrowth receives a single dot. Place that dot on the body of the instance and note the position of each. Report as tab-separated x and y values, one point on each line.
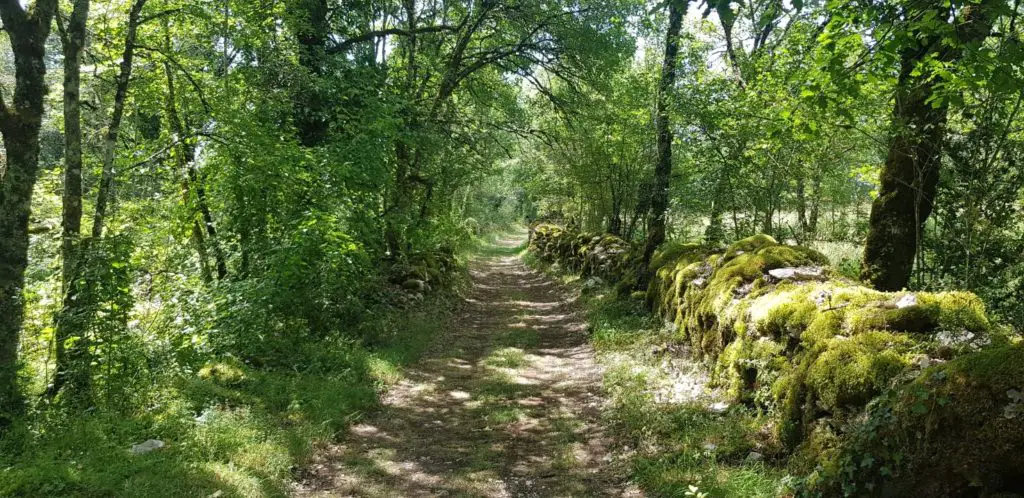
676	448
229	427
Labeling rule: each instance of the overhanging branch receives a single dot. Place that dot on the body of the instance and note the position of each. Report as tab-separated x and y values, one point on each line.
343	46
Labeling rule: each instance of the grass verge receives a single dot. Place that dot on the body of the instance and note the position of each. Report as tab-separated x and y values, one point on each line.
679	444
229	429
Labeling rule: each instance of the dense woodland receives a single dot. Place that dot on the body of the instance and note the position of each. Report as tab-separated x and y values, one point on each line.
252	213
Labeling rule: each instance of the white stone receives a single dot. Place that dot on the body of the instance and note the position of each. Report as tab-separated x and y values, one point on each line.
907	301
799	273
146	447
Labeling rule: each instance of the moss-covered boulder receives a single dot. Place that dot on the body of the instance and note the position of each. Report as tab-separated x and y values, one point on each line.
956	430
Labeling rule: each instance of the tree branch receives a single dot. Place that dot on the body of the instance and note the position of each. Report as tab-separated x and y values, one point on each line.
12	13
370	36
192	81
158	15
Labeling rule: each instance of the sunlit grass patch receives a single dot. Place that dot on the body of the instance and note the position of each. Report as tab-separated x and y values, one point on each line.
228	427
386	372
504	415
845	256
497	246
507	358
500	386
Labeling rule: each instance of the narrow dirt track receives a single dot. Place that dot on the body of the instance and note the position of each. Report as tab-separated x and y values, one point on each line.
508	405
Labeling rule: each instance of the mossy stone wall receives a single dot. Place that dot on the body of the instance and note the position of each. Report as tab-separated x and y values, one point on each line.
822	355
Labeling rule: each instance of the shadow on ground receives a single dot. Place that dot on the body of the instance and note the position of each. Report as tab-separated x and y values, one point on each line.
509	405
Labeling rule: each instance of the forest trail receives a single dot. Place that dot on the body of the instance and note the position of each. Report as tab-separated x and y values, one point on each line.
507	405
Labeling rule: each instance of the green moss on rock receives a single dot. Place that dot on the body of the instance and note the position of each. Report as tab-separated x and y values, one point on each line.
851	371
957	430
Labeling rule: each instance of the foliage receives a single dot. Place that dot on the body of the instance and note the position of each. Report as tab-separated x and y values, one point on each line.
289	177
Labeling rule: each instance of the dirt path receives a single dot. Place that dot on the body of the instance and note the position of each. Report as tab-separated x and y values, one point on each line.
508	406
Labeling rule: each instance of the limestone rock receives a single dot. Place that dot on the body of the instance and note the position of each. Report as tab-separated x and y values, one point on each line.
147	446
798	274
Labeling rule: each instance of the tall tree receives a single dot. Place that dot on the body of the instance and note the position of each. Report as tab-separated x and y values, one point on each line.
910	176
192	185
72	37
20	124
663	129
313	32
103	196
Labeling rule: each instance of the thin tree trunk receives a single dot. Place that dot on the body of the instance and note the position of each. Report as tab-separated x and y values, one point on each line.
801	204
68	362
663	128
105	193
812	222
313	33
19	125
193	181
405	156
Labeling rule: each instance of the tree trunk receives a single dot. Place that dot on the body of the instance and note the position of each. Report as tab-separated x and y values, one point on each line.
103	197
192	182
801	204
663	128
615	218
312	32
75	360
910	175
714	233
406	154
20	125
401	200
812	221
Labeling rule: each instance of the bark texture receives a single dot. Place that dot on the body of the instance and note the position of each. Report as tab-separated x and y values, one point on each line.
19	124
663	128
911	173
73	43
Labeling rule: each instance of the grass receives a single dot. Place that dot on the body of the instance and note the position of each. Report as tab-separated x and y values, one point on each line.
507	358
844	256
677	449
229	428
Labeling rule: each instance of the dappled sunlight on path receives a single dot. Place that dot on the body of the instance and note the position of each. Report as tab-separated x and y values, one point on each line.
509	405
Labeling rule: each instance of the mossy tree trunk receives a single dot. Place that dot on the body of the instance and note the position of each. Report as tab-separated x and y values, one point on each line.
909	179
19	124
663	128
